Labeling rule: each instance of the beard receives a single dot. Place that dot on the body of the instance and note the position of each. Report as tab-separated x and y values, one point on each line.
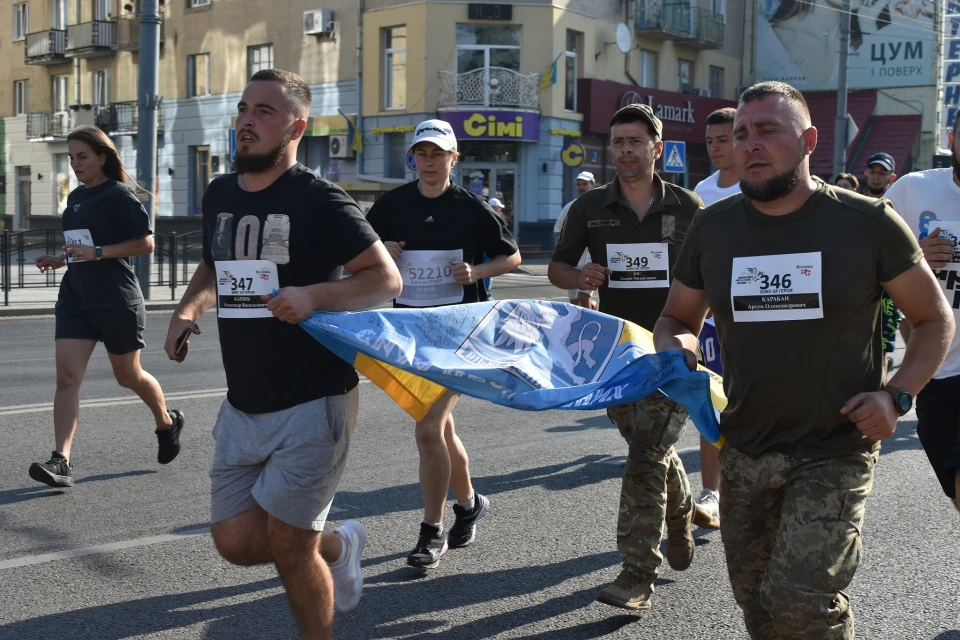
953	158
773	188
874	191
260	162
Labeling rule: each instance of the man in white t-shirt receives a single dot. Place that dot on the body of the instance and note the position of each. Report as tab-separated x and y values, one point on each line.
585	182
929	202
722	183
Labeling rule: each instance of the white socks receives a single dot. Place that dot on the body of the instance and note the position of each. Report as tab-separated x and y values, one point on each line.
469	504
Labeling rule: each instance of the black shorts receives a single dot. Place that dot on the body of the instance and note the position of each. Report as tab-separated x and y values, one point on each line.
120	329
938	426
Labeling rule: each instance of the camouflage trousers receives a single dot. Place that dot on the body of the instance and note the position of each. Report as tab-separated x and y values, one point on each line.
791	535
655	485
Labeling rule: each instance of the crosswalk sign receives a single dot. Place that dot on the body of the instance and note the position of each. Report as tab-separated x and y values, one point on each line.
674	156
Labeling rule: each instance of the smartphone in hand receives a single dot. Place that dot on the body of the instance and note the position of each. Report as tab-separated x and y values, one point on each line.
183	341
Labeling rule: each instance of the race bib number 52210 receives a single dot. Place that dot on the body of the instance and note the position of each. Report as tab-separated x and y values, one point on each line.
776	288
240	283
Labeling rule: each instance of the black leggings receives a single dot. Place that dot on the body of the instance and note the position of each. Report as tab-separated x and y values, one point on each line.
938	426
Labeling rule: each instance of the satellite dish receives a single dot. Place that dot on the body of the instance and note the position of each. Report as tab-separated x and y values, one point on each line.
624	39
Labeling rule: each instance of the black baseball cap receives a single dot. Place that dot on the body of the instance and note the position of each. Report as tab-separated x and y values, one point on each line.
885	160
646	114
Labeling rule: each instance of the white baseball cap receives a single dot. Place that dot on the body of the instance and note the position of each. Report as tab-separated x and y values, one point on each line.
586	175
438	132
495	203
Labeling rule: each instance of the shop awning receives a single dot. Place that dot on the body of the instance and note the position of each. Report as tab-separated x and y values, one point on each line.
895	135
823	113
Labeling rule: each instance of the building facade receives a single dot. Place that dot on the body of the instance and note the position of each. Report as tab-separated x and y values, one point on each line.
528	88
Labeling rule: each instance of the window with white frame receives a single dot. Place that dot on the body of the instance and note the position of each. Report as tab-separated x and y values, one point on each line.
684	75
571	70
198	3
259	57
395	67
648	68
716	82
59	91
198	75
58	14
719	8
101	87
21	21
102	9
21	97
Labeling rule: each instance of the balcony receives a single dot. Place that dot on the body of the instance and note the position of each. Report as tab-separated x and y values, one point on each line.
128	34
46	47
122	118
490	87
665	19
91	39
48	125
708	30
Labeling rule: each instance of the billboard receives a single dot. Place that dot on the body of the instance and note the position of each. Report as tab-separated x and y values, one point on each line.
891	43
950	73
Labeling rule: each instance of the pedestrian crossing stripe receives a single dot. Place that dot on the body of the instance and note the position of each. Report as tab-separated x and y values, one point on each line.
674	160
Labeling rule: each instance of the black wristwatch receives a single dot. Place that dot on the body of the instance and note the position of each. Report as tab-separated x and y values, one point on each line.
98	252
902	400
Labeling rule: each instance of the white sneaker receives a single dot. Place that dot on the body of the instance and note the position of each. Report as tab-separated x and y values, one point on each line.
348	580
707	513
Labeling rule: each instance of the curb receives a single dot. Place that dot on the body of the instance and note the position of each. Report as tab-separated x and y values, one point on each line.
14	311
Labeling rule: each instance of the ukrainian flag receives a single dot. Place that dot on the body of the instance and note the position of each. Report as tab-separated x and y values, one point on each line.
530	355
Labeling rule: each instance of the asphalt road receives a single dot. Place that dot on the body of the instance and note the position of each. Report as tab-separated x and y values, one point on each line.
131	558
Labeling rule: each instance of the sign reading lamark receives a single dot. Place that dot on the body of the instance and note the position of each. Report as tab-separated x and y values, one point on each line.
664	111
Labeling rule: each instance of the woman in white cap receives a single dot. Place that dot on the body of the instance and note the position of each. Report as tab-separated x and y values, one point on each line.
438	233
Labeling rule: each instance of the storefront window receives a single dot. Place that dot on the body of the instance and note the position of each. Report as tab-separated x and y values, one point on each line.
489	152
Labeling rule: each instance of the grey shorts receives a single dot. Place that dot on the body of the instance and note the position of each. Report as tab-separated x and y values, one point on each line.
288	462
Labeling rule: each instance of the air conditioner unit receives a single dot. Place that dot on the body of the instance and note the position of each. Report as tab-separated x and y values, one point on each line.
340	146
705	93
317	22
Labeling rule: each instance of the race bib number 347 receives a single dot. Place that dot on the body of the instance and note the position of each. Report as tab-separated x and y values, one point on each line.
240	283
776	288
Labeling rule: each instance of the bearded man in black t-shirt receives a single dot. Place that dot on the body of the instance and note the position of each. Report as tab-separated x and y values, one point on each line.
276	237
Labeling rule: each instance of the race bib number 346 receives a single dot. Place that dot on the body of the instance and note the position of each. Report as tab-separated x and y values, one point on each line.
776	288
240	283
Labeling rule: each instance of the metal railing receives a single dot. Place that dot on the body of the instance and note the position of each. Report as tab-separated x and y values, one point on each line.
98	34
124	117
175	257
710	27
44	44
43	125
128	33
671	18
490	87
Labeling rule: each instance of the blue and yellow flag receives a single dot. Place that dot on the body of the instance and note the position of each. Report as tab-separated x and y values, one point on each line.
531	355
549	77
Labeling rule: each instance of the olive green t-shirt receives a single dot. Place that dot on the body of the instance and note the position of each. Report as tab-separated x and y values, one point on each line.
796	300
641	253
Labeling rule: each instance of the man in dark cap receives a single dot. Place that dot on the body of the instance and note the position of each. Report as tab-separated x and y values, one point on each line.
634	227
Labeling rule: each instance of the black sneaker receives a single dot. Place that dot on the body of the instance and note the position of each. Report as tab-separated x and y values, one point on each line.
464	530
168	440
430	547
54	472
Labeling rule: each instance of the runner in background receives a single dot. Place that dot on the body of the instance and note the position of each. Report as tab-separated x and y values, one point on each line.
497	206
438	233
723	183
585	183
879	175
929	202
284	430
847	181
104	225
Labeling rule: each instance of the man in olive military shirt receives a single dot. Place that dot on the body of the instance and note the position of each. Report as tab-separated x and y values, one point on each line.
793	270
634	227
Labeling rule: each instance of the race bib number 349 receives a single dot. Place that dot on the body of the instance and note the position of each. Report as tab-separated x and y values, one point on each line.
776	288
240	283
643	265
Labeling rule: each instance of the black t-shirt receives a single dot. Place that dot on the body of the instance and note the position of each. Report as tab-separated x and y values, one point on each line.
112	214
309	228
458	219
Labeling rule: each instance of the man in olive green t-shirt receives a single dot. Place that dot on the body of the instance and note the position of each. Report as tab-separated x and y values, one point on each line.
634	227
793	270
